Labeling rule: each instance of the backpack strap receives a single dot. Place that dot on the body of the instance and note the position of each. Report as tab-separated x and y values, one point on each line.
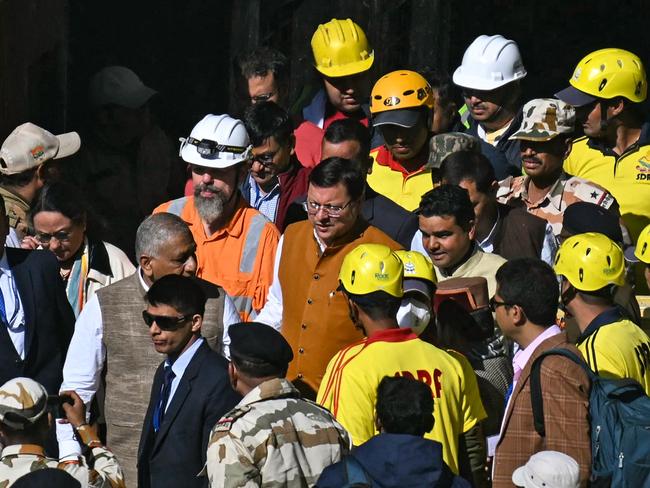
536	399
354	472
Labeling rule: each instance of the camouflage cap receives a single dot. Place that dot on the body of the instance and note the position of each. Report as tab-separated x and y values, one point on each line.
442	145
545	118
22	401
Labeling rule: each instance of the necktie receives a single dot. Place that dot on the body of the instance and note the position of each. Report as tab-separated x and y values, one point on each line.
3	309
159	411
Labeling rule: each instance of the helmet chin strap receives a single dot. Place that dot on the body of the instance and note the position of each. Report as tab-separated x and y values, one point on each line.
604	121
566	297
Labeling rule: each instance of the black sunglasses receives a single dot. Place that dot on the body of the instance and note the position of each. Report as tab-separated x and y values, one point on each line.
165	322
494	304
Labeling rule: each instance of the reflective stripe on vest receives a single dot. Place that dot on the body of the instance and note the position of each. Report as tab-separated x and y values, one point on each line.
252	242
177	206
244	305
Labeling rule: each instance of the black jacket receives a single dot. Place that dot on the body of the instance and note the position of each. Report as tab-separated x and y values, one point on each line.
49	320
176	454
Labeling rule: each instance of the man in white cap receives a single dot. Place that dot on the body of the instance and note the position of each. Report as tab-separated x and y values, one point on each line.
128	164
24	424
25	163
235	243
489	77
548	469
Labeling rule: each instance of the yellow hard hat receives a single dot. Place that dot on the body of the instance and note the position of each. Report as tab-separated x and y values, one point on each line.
400	89
372	267
642	250
590	261
340	48
417	265
606	73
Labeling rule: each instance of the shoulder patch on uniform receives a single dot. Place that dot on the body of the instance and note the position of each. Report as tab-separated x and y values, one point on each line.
587	192
223	425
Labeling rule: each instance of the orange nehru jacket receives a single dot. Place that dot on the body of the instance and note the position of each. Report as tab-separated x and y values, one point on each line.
238	257
315	317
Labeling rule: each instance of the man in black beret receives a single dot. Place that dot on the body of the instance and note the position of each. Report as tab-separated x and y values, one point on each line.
244	446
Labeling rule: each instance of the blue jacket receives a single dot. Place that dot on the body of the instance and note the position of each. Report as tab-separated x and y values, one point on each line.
397	460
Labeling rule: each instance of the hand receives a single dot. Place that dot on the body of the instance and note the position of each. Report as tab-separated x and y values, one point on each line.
75	413
29	242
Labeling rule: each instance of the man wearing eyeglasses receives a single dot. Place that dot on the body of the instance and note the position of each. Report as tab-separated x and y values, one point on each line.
190	391
303	300
235	243
276	177
525	305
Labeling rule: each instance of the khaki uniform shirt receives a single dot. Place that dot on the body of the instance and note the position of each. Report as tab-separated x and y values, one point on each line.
20	459
274	438
567	190
16	209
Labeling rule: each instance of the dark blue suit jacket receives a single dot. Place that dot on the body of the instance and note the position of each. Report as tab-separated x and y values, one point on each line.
176	454
49	320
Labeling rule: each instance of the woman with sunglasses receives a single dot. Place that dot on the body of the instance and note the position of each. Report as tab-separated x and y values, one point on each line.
59	221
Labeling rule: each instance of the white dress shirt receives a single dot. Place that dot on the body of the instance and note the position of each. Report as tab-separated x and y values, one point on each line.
179	366
15	313
87	355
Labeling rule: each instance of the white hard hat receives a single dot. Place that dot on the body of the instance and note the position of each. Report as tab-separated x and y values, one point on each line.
488	63
217	141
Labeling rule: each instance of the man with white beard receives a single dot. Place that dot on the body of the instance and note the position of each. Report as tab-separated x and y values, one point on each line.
236	244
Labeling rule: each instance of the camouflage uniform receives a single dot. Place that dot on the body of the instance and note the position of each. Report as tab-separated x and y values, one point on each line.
26	401
273	438
16	209
443	145
543	120
566	191
19	459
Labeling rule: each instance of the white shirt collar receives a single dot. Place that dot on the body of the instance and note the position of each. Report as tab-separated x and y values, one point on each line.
139	271
180	365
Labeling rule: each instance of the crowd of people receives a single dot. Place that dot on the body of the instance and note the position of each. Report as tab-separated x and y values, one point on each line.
418	280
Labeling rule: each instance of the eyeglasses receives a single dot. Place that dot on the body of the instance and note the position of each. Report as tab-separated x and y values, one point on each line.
262	97
494	304
333	211
265	159
61	236
165	322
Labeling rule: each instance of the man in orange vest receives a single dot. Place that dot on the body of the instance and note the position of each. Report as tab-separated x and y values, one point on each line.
303	300
235	243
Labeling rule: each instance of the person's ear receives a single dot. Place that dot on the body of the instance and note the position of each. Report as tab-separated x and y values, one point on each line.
568	143
472	229
145	264
378	425
232	375
292	144
518	315
617	106
197	322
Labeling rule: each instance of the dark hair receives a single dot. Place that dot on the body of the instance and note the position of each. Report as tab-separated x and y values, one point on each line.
180	292
50	477
343	130
448	200
404	406
263	60
67	200
468	165
377	304
257	369
443	84
332	171
268	119
531	284
18	180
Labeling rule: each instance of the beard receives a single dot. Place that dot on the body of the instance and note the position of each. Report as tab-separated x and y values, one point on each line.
210	209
